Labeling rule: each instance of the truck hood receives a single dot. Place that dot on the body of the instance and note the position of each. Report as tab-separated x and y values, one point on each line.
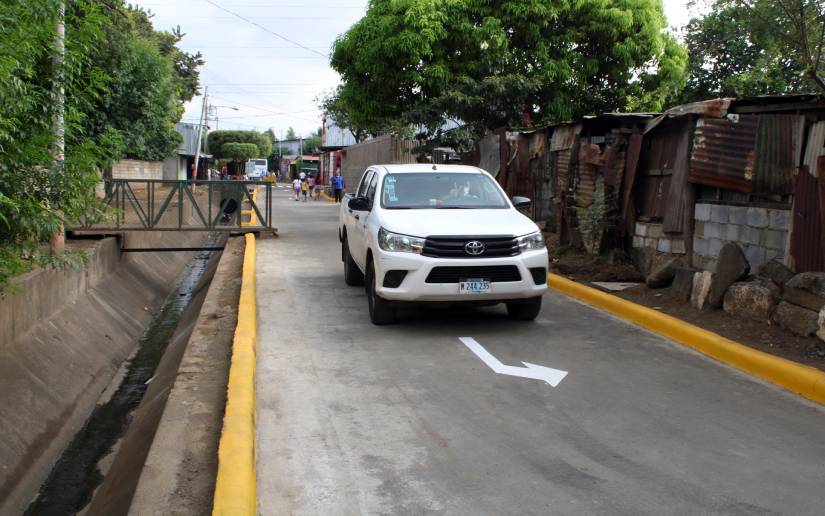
446	222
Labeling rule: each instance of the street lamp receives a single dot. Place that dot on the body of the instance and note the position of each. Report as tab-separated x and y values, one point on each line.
213	111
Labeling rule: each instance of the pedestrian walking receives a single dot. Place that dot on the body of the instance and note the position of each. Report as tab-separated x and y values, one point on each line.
311	185
304	188
296	187
337	186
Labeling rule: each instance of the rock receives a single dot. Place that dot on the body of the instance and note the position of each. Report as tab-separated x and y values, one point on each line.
683	283
821	331
807	290
751	299
796	319
731	267
662	275
701	288
775	271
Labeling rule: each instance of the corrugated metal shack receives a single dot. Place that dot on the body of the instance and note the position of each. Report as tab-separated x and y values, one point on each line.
726	170
684	182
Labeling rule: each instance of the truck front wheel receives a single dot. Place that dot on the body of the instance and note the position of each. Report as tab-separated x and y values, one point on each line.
352	275
381	312
524	310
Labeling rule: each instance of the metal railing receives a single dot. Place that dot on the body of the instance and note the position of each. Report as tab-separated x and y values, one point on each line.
161	205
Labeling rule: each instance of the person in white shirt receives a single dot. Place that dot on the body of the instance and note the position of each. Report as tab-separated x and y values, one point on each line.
302	176
296	187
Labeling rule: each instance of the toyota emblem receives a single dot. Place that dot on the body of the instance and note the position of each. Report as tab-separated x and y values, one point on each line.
474	247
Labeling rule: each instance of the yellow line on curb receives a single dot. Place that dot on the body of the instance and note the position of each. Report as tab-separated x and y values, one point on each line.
327	197
235	488
801	379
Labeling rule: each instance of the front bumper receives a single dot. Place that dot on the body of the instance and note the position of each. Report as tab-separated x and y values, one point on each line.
415	288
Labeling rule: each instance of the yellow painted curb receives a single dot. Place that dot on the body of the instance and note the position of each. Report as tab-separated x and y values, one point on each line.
801	379
235	488
326	196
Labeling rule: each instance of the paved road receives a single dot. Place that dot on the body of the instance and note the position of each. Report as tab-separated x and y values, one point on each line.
359	419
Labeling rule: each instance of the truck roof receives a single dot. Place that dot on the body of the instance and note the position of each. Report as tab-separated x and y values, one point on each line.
428	167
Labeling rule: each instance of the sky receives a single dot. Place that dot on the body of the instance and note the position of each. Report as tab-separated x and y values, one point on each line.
268	70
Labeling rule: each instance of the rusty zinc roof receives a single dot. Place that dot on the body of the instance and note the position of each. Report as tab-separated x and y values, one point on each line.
723	152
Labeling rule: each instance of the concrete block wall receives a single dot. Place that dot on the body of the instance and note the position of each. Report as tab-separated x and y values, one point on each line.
649	235
761	232
135	169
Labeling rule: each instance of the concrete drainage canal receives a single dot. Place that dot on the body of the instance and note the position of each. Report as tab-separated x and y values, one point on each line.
116	438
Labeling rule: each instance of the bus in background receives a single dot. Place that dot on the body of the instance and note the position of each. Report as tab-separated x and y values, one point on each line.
255	169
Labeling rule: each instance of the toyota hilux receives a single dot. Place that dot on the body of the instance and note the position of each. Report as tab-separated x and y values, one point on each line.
440	233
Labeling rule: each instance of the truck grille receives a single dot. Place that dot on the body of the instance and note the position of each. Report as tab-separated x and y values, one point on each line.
492	273
454	246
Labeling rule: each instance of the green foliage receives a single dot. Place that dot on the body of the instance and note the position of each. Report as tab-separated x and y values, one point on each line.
240	151
312	144
123	94
776	45
290	134
217	139
733	53
492	64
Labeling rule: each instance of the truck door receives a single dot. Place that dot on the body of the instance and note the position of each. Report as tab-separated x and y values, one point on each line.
355	232
363	228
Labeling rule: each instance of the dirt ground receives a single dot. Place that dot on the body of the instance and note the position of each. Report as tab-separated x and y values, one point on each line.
761	335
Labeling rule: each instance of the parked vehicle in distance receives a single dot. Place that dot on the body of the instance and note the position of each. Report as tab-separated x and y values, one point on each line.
443	233
255	169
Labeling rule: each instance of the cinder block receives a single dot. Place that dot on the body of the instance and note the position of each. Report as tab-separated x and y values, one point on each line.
779	219
730	232
638	242
702	212
699	229
758	217
714	246
651	242
719	213
738	215
677	247
774	239
701	245
756	255
713	230
655	231
664	245
749	235
641	229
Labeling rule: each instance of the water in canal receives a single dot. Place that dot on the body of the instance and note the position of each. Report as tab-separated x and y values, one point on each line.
71	484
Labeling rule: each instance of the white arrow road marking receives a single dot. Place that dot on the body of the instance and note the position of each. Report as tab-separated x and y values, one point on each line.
536	372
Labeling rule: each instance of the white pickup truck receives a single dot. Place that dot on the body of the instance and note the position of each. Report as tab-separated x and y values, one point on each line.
444	233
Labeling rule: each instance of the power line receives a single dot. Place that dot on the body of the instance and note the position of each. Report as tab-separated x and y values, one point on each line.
247	20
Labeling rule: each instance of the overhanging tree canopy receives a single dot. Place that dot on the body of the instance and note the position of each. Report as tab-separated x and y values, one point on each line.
503	63
217	139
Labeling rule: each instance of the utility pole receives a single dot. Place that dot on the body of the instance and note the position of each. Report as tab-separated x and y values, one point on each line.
200	132
58	240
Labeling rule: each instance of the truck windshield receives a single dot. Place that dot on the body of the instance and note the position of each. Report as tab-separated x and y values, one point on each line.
436	190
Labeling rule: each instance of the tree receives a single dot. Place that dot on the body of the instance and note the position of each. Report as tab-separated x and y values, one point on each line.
217	139
312	143
798	26
726	61
239	152
123	93
508	63
290	134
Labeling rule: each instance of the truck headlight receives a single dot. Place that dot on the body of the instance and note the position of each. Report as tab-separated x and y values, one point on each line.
395	243
532	241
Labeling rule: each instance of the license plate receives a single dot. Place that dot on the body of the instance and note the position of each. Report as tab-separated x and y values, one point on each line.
474	286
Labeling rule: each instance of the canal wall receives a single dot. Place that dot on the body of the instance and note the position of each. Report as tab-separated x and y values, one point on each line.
63	336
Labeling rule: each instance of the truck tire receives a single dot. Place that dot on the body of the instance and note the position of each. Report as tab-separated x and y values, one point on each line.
524	310
381	312
352	274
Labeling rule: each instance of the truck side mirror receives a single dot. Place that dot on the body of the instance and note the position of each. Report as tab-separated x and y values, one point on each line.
359	204
522	203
